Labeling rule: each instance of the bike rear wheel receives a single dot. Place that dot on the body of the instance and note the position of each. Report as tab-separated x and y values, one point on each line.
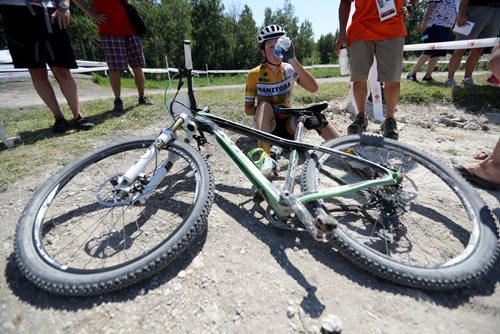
78	236
432	231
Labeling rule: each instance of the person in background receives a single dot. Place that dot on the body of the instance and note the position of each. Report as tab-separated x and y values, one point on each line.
121	45
378	32
439	17
486	173
270	85
485	14
37	37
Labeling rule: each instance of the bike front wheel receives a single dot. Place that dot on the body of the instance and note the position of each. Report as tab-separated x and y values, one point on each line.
79	236
431	231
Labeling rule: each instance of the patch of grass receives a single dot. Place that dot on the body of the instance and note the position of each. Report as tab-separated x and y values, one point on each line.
482	97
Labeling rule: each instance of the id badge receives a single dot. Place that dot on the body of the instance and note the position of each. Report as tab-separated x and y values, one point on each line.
386	9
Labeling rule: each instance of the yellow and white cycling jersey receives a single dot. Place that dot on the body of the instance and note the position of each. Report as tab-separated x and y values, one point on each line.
275	89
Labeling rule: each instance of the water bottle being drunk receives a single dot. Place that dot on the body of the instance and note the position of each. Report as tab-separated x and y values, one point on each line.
344	61
282	45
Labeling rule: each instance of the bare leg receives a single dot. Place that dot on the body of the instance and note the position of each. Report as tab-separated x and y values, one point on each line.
330	132
44	89
391	91
264	121
68	89
359	89
431	66
139	80
421	61
471	62
114	79
455	62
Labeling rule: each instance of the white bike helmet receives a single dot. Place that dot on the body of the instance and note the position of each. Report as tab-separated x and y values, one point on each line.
270	32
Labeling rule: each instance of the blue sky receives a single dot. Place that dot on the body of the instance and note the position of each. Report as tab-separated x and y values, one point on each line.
323	14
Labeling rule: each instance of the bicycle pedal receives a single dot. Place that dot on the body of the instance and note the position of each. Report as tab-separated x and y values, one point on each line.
325	222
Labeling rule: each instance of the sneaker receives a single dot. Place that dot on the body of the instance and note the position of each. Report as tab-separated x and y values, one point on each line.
390	128
468	82
359	125
82	124
267	165
275	151
118	105
492	79
144	100
411	77
60	125
428	79
450	83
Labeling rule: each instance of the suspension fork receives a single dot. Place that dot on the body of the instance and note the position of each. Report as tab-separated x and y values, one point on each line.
167	134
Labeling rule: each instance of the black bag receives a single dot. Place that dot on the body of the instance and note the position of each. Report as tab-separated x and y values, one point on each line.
136	19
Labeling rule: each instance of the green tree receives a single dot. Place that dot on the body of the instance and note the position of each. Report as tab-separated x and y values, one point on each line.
246	41
304	42
210	44
326	48
169	25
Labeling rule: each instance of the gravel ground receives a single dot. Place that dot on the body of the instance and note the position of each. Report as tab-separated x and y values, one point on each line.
243	276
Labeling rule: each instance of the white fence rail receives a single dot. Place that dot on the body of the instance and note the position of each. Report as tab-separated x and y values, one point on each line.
84	66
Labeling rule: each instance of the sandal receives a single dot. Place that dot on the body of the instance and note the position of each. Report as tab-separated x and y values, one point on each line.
481	155
476	180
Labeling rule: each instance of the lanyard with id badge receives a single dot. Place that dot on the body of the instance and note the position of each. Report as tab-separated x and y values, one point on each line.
386	9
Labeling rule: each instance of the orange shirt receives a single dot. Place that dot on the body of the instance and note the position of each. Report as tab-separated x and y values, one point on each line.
366	24
118	23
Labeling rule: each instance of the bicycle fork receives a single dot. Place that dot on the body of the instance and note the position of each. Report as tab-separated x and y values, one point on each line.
321	222
125	182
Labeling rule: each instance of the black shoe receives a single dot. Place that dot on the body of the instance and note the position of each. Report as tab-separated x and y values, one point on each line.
60	125
359	125
144	100
118	106
412	77
390	128
82	124
429	79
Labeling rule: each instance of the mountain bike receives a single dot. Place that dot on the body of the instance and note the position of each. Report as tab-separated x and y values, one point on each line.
124	211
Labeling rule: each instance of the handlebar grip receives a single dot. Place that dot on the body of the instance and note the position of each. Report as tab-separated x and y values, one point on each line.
187	55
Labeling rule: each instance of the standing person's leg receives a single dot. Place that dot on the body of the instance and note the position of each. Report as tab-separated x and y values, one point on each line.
430	68
391	91
61	59
115	52
421	61
115	82
470	65
139	80
453	65
389	56
137	62
40	80
361	58
68	88
70	91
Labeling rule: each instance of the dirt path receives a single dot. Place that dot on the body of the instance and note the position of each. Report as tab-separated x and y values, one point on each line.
244	276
